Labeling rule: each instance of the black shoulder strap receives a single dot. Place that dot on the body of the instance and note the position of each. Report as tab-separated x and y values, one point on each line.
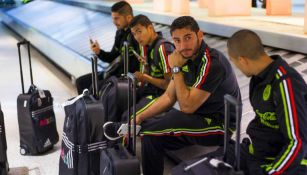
158	44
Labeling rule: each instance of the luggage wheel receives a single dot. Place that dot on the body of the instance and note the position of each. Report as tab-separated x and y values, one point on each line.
23	151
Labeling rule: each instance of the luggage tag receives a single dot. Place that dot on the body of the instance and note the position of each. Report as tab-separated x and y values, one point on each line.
25	103
41	93
123	130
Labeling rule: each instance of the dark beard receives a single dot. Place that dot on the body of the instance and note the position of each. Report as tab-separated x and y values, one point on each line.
195	53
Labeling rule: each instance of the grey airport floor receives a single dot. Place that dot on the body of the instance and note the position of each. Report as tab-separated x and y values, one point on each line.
45	75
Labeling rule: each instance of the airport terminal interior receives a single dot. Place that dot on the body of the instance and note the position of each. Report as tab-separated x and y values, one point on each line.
59	33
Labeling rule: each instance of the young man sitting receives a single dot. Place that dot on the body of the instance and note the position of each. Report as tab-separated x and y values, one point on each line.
278	95
122	15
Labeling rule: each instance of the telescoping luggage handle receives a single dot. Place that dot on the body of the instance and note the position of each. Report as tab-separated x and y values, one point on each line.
130	77
230	100
132	85
24	42
126	58
94	76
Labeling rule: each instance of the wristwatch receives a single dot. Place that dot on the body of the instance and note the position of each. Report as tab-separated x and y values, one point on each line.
176	70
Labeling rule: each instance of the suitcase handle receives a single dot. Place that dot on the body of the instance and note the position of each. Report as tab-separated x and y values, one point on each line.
132	78
24	42
126	58
230	100
94	76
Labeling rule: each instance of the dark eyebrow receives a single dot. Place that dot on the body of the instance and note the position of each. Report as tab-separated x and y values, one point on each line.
136	30
189	34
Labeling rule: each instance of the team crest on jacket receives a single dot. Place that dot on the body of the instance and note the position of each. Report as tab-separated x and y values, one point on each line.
267	92
185	68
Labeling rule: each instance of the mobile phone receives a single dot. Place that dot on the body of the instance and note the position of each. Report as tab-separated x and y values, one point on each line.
91	41
135	53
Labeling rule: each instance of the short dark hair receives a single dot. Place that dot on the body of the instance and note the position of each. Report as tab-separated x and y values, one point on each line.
123	8
184	22
245	43
140	19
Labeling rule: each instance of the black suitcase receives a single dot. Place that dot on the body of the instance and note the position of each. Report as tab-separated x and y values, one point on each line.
121	160
36	119
4	168
113	92
211	165
113	95
83	136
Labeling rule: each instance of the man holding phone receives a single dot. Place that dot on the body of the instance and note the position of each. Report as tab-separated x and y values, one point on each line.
122	15
154	56
155	71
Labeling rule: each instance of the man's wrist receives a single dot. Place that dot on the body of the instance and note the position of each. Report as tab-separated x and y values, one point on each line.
175	69
97	53
140	118
144	77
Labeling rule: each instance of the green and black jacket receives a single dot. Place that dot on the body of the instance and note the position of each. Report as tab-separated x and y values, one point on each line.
278	132
211	71
157	58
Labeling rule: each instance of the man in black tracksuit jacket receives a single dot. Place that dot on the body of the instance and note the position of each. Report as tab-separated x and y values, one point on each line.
201	76
122	15
278	95
155	74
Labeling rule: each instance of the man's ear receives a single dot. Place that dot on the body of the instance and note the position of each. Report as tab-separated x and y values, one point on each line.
243	60
129	18
200	34
151	27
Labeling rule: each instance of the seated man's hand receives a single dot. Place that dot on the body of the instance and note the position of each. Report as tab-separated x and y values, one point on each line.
138	120
142	60
95	47
139	76
176	59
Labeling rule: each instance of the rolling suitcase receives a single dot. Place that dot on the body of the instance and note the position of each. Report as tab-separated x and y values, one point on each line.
83	136
36	119
120	159
113	92
3	147
215	166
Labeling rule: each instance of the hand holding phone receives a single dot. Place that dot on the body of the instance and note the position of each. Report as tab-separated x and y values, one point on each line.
94	46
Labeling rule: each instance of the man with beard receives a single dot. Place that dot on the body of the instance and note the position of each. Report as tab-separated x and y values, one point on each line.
201	76
122	15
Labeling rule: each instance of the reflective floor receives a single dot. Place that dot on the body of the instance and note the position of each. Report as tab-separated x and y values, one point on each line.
45	76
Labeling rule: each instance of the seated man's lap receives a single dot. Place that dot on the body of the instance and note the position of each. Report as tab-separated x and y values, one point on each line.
207	131
141	105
